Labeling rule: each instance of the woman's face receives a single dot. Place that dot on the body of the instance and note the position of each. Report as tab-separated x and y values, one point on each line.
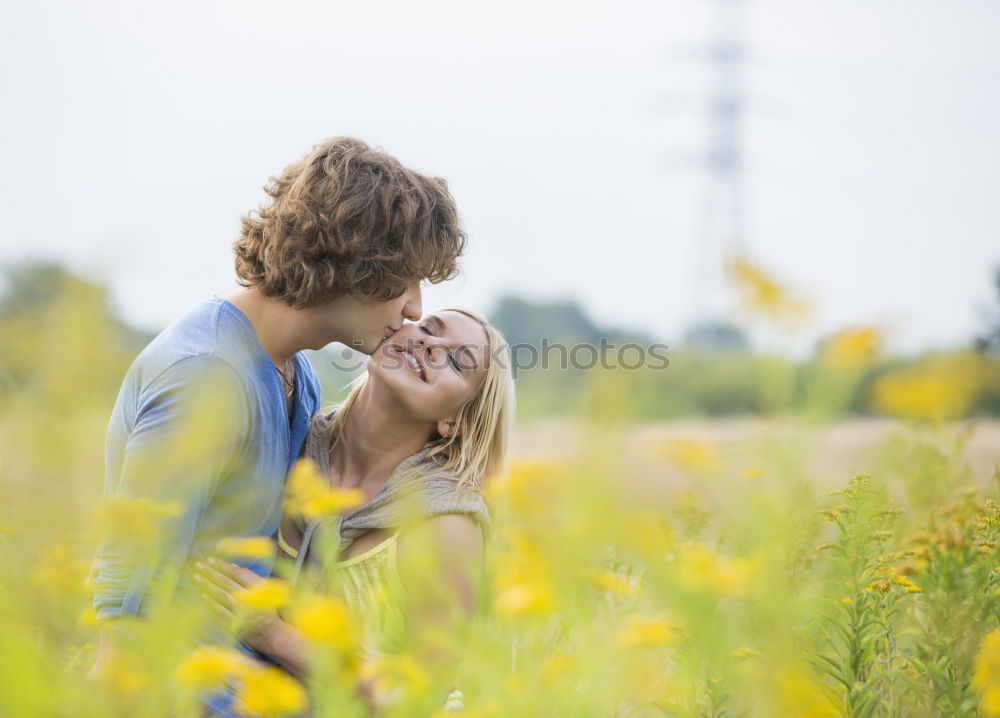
434	366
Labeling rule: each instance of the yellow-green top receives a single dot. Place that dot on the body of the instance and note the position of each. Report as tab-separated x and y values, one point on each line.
370	585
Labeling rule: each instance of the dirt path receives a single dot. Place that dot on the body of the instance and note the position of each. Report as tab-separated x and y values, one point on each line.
833	453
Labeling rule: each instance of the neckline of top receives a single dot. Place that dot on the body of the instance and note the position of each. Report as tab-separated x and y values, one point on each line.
247	325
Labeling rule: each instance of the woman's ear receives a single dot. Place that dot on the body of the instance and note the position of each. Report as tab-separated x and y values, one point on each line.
448	428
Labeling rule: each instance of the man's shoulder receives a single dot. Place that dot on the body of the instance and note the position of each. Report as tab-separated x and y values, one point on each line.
213	327
212	337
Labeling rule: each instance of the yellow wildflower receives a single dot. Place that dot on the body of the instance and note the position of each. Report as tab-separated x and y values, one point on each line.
523	582
645	531
522	599
88	618
751	473
907	584
324	619
311	496
879	586
245	547
267	594
615	583
852	347
640	631
936	390
555	667
271	692
694	455
986	674
802	697
763	294
524	484
209	666
701	569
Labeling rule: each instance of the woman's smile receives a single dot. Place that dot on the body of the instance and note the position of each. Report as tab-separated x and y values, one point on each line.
410	359
414	363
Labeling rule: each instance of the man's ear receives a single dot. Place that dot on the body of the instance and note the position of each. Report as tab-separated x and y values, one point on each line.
448	428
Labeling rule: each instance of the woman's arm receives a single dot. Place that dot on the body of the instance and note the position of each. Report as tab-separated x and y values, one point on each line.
264	631
440	564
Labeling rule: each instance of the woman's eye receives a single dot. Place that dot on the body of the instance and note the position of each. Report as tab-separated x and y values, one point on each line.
425	328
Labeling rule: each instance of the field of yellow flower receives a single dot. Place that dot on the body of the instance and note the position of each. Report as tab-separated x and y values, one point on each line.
638	575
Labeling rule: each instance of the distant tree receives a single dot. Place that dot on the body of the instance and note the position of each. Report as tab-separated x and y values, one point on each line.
989	341
717	336
31	289
988	344
32	286
61	339
526	322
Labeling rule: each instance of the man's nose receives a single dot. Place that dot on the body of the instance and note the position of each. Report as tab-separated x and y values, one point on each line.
413	309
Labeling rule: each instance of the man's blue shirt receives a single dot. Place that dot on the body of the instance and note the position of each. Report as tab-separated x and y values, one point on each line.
201	425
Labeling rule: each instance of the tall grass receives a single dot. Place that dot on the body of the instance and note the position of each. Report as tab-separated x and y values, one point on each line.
751	593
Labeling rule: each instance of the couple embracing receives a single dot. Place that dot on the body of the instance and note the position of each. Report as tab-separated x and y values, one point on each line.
217	410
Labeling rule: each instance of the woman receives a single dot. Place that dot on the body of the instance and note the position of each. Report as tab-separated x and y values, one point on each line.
419	433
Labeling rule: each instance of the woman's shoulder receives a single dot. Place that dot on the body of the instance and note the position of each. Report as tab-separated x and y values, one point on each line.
448	537
323	418
446	495
317	443
442	552
454	530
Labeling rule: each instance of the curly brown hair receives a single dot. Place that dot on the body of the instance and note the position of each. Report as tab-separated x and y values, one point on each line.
349	220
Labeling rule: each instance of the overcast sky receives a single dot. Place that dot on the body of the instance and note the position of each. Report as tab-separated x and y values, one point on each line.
136	134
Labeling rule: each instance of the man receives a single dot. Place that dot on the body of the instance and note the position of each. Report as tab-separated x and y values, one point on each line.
212	414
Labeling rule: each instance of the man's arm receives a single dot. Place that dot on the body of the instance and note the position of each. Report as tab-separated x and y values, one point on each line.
189	429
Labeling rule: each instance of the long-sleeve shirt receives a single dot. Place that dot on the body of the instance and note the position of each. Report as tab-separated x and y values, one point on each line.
198	448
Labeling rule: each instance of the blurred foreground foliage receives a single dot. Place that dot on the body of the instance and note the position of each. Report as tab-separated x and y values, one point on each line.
747	591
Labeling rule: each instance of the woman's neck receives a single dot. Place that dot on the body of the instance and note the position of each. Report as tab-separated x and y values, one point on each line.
373	442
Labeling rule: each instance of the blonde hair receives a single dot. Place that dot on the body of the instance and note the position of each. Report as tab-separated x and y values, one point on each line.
476	451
